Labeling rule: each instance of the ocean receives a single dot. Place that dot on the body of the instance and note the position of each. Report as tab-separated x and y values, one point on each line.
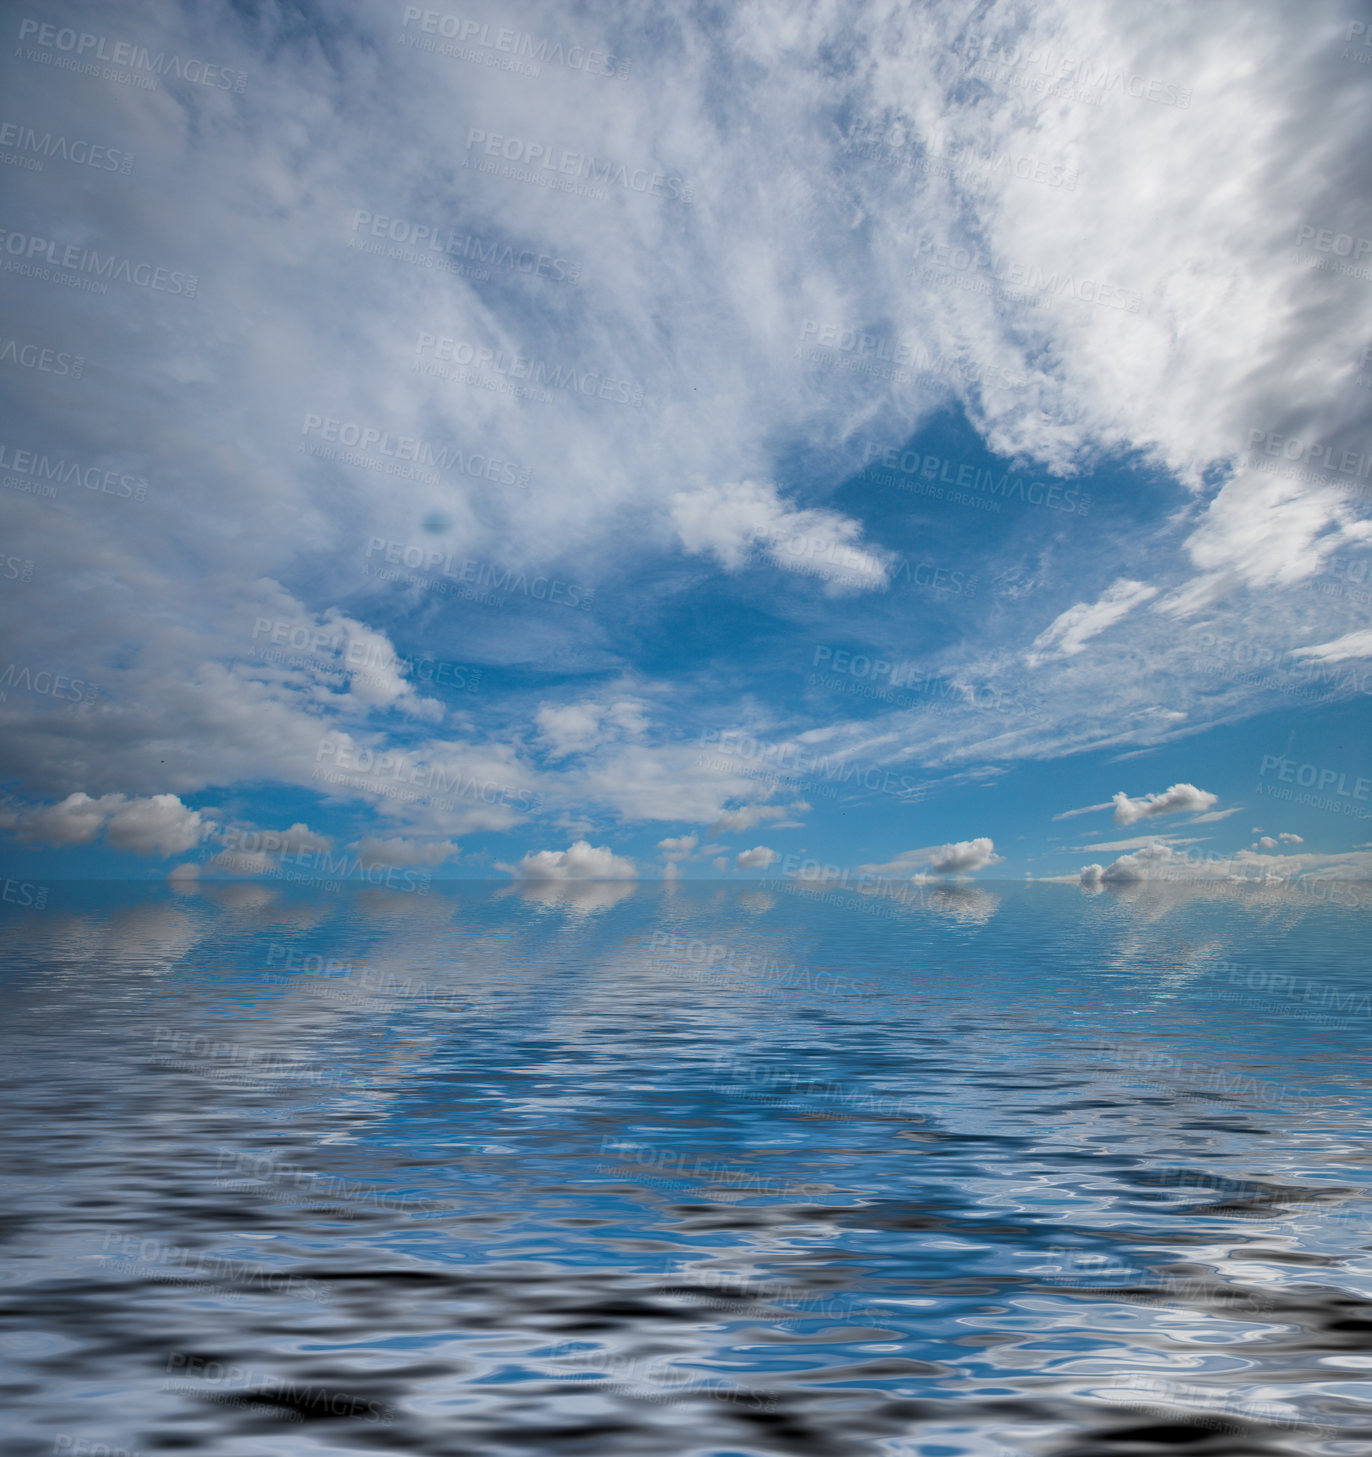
696	1168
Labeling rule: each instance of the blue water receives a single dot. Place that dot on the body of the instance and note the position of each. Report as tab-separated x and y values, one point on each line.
696	1169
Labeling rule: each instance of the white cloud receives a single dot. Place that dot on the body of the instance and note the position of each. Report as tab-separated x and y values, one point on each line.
1256	866
579	728
1213	817
1136	842
1179	799
1070	631
758	858
680	847
708	302
1087	809
580	861
730	522
1352	645
1261	532
156	824
960	858
964	856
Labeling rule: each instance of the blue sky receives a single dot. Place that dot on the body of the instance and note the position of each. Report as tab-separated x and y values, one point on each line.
861	437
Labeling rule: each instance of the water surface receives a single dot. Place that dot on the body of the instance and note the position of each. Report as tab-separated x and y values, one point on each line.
697	1169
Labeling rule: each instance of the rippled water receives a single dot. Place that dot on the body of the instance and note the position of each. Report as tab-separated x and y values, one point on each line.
691	1169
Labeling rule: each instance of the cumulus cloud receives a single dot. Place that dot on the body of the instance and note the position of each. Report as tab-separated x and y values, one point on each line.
962	857
758	858
578	728
157	824
1255	866
580	861
1179	799
732	522
679	847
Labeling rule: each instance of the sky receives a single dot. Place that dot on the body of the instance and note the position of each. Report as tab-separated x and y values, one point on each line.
866	442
